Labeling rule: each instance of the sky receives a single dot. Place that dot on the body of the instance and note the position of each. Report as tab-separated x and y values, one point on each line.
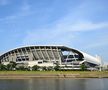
79	24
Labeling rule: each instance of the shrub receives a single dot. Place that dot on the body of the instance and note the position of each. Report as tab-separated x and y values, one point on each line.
22	68
2	67
35	68
83	67
57	67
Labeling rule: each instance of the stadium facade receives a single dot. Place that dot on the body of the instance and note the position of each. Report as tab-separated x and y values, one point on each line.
67	58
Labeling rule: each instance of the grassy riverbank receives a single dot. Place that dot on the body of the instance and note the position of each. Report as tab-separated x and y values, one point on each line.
53	74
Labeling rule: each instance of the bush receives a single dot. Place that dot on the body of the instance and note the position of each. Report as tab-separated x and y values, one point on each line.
57	67
35	68
2	67
11	65
83	67
22	68
50	68
44	68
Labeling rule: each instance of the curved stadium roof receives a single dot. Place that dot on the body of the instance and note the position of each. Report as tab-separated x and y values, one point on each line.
81	54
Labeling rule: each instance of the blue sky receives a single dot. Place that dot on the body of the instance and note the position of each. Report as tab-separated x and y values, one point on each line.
80	24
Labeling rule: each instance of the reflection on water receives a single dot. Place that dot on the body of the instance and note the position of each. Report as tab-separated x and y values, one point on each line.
54	84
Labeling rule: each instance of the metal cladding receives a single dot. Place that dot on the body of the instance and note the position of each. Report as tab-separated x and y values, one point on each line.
91	59
47	56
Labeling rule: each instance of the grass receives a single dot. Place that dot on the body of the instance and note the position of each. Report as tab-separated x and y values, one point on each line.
76	74
53	72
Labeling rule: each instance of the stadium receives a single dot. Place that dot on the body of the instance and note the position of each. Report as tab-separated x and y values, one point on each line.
65	57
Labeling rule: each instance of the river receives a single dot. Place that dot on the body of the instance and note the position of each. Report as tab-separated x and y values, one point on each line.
54	84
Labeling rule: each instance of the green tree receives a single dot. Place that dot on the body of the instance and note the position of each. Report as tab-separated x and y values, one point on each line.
22	68
11	65
83	67
35	68
44	68
2	67
57	67
50	68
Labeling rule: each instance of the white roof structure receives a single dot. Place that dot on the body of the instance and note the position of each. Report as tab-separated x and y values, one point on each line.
90	58
47	53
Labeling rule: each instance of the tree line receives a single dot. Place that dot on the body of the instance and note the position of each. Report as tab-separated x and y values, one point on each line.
12	66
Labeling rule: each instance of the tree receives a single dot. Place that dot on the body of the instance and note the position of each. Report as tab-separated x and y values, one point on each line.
83	67
2	67
22	68
35	68
44	68
57	67
50	68
11	65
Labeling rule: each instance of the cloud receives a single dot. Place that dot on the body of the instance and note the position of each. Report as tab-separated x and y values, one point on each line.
81	26
96	45
87	26
99	42
81	18
62	33
48	37
64	30
25	6
23	10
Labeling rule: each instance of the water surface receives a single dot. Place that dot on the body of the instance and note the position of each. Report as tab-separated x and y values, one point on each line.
54	84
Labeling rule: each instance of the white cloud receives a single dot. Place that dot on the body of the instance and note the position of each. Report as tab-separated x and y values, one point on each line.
63	31
101	41
48	37
25	6
81	18
81	26
23	10
87	26
96	45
